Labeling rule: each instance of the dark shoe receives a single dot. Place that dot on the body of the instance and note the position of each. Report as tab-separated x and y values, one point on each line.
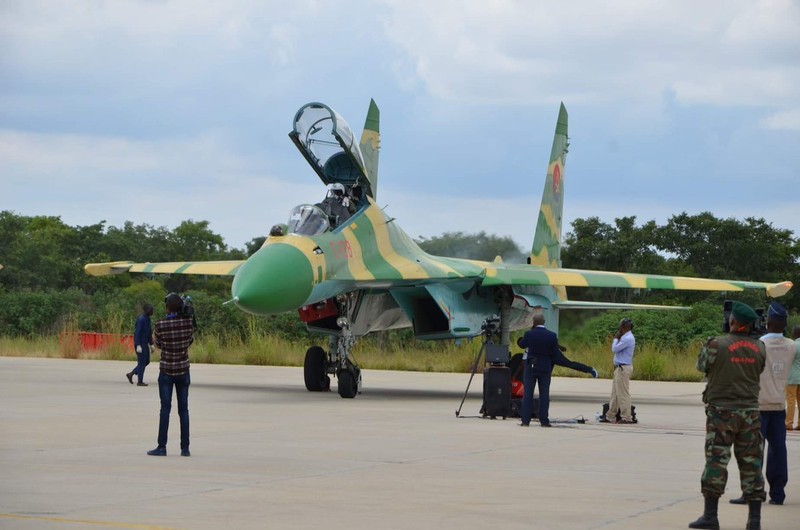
738	500
603	419
546	424
522	424
776	503
709	518
141	384
158	451
129	375
185	452
708	522
754	515
594	373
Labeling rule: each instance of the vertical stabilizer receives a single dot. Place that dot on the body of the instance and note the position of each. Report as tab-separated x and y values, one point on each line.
370	145
546	250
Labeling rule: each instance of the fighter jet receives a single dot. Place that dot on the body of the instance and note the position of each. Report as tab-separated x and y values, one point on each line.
349	269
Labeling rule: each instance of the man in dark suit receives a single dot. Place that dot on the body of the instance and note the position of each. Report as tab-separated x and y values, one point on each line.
541	346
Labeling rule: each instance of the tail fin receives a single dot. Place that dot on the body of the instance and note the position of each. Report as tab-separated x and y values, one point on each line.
370	145
546	250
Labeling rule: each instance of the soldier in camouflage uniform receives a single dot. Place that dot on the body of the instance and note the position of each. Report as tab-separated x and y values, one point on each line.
733	364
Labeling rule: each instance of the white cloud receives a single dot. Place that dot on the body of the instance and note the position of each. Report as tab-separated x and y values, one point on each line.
713	52
36	157
787	120
149	111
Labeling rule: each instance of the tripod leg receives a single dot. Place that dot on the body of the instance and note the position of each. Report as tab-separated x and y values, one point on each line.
474	369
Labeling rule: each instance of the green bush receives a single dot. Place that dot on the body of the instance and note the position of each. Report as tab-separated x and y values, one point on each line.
659	328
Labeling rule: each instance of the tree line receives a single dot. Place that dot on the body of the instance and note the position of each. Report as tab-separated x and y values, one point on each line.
43	286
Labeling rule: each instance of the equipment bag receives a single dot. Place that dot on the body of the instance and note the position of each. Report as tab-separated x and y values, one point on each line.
618	416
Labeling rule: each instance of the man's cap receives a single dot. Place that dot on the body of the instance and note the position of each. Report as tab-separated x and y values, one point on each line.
777	312
743	313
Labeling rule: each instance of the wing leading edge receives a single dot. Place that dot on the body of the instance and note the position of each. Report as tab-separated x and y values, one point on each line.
207	268
527	275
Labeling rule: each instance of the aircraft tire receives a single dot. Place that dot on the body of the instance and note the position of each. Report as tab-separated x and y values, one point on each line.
348	387
314	370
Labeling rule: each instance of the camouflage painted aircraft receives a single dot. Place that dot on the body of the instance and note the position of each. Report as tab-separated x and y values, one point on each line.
349	269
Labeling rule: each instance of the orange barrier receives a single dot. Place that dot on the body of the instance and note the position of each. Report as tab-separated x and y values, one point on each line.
100	341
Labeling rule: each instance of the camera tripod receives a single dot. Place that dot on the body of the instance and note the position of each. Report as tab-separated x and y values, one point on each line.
487	339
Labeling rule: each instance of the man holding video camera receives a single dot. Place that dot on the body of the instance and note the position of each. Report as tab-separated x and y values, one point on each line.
173	335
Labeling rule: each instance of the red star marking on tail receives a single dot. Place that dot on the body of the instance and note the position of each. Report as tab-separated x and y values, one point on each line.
556	179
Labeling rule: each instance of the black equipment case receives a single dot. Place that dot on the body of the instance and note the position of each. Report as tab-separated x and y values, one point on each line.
496	392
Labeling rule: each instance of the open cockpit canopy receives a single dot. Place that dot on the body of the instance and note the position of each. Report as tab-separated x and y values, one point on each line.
328	144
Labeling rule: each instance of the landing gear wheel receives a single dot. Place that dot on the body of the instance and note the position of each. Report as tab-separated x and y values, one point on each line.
348	385
314	370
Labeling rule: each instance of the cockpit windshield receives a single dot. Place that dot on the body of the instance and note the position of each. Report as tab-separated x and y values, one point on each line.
307	220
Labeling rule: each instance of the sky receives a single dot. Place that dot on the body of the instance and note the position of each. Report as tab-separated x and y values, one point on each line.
160	111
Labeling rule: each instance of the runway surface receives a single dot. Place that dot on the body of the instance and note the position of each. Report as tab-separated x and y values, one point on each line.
268	454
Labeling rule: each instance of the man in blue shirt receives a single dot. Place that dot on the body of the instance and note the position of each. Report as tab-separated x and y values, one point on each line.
142	342
622	346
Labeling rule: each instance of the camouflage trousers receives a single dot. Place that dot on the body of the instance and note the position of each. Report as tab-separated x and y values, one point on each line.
742	430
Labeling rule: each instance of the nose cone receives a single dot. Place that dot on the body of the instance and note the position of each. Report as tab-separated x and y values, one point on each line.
276	279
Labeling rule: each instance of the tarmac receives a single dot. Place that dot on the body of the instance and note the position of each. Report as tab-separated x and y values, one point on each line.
268	454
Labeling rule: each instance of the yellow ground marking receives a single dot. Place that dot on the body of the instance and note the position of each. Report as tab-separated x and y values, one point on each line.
61	520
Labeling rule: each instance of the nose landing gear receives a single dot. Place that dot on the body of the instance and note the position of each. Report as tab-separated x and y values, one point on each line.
319	365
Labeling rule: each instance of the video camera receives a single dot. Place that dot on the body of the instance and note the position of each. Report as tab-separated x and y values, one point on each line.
758	328
187	309
491	325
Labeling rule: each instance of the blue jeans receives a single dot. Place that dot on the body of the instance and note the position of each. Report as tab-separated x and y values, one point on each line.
142	360
529	379
181	384
773	430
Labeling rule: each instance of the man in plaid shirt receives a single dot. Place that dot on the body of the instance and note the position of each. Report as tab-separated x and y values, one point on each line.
173	335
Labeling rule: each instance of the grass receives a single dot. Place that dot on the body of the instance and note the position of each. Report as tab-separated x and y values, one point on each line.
651	363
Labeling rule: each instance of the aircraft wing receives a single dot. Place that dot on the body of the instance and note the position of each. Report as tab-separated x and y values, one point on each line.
208	268
580	304
499	274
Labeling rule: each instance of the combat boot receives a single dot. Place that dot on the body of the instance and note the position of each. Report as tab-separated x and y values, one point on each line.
754	515
709	518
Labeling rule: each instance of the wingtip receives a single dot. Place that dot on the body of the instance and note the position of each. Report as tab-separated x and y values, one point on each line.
107	269
779	289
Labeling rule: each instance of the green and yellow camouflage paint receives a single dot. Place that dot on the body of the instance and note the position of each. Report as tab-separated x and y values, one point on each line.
397	283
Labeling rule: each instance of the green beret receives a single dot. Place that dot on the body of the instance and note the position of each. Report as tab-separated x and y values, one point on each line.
743	313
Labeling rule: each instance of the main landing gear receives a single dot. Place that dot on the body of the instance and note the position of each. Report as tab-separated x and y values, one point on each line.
337	361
